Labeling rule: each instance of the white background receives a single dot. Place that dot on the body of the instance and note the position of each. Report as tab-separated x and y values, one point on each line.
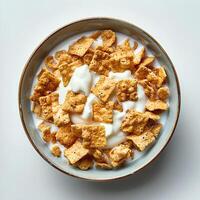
25	175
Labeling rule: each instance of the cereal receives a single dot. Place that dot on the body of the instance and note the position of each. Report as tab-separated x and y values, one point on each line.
155	129
156	105
142	72
108	38
62	55
147	61
81	46
55	150
100	62
85	163
95	35
134	122
36	108
77	129
87	58
160	72
74	102
119	155
46	106
94	136
47	83
141	142
149	89
103	165
117	106
46	133
53	137
163	93
66	70
138	57
104	88
50	62
103	112
152	116
76	152
65	136
127	90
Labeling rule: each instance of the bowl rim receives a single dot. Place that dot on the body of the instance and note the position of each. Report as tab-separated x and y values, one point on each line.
21	112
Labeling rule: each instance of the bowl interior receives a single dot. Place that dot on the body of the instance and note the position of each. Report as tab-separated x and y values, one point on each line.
67	32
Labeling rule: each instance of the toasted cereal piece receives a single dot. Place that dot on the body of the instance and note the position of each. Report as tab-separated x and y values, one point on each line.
160	72
57	74
87	58
156	105
55	150
128	144
76	152
62	55
95	35
74	102
85	163
163	93
81	46
117	106
147	61
149	89
66	70
103	112
138	57
65	136
46	103
47	83
103	165
77	129
99	156
60	117
36	108
104	88
127	90
46	133
119	155
100	62
53	137
155	129
94	136
141	142
50	62
142	72
134	122
135	45
108	38
152	116
154	79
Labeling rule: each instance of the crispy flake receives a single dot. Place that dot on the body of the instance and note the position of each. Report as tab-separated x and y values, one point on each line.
156	105
141	142
103	112
160	72
134	122
47	83
152	116
94	136
100	62
104	88
50	62
46	133
65	136
155	129
142	72
55	150
85	163
76	152
62	55
81	46
74	102
127	90
118	106
147	61
138	57
36	108
149	89
163	93
95	35
77	129
103	165
108	38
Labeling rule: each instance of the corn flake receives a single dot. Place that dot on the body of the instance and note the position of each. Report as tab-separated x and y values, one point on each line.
85	163
156	105
50	62
138	57
108	38
55	150
163	93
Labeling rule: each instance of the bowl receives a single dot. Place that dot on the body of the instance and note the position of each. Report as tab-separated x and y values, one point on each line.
32	66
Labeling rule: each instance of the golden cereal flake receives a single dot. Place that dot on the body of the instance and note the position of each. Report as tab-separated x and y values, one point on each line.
135	45
46	103
119	154
108	38
94	136
163	93
85	163
74	102
53	137
55	150
46	133
100	62
134	122
95	35
65	136
127	90
50	62
104	88
160	72
76	152
81	46
142	72
66	70
36	108
141	142
47	83
77	129
149	89
87	58
156	105
103	112
155	129
103	165
62	55
147	61
118	106
138	57
152	116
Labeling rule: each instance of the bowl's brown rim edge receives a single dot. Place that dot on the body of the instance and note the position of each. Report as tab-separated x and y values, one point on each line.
21	113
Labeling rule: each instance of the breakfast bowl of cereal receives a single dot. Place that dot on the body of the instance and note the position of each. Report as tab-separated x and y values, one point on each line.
99	99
